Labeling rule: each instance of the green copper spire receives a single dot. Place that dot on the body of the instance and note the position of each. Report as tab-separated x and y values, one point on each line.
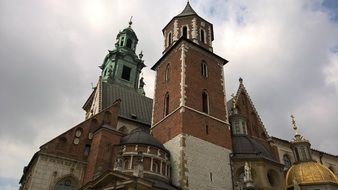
122	66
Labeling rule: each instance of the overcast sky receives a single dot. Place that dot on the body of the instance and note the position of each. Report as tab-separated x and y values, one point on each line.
286	51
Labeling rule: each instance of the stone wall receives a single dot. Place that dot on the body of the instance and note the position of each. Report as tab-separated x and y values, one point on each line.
198	164
208	165
48	170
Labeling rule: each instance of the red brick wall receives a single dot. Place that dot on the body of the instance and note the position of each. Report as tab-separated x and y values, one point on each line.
191	122
196	83
168	128
101	156
172	87
64	146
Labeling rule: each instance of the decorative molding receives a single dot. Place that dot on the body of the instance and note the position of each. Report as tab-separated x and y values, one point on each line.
194	31
176	29
182	83
153	108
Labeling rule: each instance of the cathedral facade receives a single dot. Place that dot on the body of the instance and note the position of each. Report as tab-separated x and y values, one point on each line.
188	137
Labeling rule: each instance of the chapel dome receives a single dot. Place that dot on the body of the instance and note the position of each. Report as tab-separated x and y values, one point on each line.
309	173
139	136
248	147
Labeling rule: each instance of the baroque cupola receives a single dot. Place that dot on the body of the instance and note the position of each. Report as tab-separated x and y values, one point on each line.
306	172
188	24
122	66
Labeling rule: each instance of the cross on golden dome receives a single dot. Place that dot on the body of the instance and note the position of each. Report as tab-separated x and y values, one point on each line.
294	125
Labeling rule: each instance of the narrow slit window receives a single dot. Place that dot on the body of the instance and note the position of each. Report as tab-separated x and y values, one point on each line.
166	104
167	74
205	102
202	36
169	39
204	69
185	32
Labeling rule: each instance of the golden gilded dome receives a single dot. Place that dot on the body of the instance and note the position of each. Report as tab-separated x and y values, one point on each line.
308	173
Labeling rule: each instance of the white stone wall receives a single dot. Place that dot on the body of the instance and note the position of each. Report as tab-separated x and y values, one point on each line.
175	147
49	170
195	162
204	158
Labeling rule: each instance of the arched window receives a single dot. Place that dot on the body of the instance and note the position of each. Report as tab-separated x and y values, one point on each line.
202	36
126	163
155	167
287	161
204	69
166	104
185	31
67	183
167	74
129	43
122	41
205	102
169	39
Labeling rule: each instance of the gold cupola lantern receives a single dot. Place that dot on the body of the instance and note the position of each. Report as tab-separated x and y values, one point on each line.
305	171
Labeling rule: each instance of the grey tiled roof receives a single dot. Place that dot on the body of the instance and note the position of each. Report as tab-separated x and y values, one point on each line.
134	106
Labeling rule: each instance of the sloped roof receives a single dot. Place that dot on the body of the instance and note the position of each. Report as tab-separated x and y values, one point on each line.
248	147
187	11
134	106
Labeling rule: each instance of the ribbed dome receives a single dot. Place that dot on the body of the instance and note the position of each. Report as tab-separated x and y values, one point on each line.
247	147
309	173
139	136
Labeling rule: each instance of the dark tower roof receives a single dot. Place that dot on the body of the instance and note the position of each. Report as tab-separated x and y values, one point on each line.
187	11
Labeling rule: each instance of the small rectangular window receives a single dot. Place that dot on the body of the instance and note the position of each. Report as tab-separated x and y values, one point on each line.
126	72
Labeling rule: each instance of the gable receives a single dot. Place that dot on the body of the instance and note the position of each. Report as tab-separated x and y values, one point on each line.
246	107
74	142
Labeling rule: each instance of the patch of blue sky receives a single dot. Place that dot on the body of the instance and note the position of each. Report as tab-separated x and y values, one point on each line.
9	182
332	8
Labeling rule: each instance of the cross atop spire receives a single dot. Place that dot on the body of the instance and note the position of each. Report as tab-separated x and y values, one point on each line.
294	125
130	21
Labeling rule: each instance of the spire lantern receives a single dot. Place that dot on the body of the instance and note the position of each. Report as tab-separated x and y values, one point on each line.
122	66
299	145
189	26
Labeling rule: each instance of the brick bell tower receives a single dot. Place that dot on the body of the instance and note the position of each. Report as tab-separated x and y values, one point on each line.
189	109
